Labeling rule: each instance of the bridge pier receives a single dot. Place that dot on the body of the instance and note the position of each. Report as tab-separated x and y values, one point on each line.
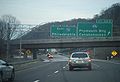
34	51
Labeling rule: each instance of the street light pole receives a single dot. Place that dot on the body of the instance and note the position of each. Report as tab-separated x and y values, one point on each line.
20	46
21	41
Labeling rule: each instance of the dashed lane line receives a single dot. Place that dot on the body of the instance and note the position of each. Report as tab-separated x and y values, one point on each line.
37	81
64	67
56	71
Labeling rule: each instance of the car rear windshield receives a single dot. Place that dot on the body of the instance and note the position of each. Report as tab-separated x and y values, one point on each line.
79	55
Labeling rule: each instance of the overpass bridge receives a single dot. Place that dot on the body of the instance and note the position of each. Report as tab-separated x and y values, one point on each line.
66	43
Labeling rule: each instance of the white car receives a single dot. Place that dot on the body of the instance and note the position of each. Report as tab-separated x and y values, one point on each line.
79	60
7	72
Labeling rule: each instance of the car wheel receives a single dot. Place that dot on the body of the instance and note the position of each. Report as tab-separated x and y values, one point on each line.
12	77
1	78
90	67
70	68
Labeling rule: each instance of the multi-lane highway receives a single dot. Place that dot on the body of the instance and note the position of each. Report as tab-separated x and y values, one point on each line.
56	70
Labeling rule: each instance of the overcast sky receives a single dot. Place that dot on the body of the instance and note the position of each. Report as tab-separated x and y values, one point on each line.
43	11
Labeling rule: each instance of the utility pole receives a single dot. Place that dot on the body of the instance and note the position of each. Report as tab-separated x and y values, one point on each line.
8	40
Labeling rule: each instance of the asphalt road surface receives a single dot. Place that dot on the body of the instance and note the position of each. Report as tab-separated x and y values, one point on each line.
56	70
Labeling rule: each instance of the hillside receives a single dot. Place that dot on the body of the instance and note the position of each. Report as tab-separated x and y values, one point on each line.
43	31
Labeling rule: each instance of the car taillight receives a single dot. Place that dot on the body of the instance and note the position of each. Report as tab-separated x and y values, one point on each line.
69	60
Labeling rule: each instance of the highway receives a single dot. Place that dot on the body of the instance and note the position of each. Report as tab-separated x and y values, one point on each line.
56	70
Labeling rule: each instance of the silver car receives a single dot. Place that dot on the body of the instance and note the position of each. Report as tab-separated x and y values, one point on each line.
79	60
7	72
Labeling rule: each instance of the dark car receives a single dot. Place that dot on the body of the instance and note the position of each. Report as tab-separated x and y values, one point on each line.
7	72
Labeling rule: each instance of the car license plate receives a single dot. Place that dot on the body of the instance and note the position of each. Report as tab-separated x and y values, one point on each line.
79	61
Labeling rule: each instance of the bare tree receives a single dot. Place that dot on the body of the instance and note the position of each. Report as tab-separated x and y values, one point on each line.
8	27
10	24
2	36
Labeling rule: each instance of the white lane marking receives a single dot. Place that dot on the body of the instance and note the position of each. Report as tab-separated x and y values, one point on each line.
37	81
96	65
56	71
53	73
63	67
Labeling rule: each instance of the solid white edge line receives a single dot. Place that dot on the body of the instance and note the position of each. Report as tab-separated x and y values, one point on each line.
63	67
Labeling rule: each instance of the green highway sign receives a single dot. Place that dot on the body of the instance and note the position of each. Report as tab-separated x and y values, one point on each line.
98	29
104	21
59	30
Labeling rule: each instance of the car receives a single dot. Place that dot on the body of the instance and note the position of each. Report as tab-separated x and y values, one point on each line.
7	71
79	60
49	56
